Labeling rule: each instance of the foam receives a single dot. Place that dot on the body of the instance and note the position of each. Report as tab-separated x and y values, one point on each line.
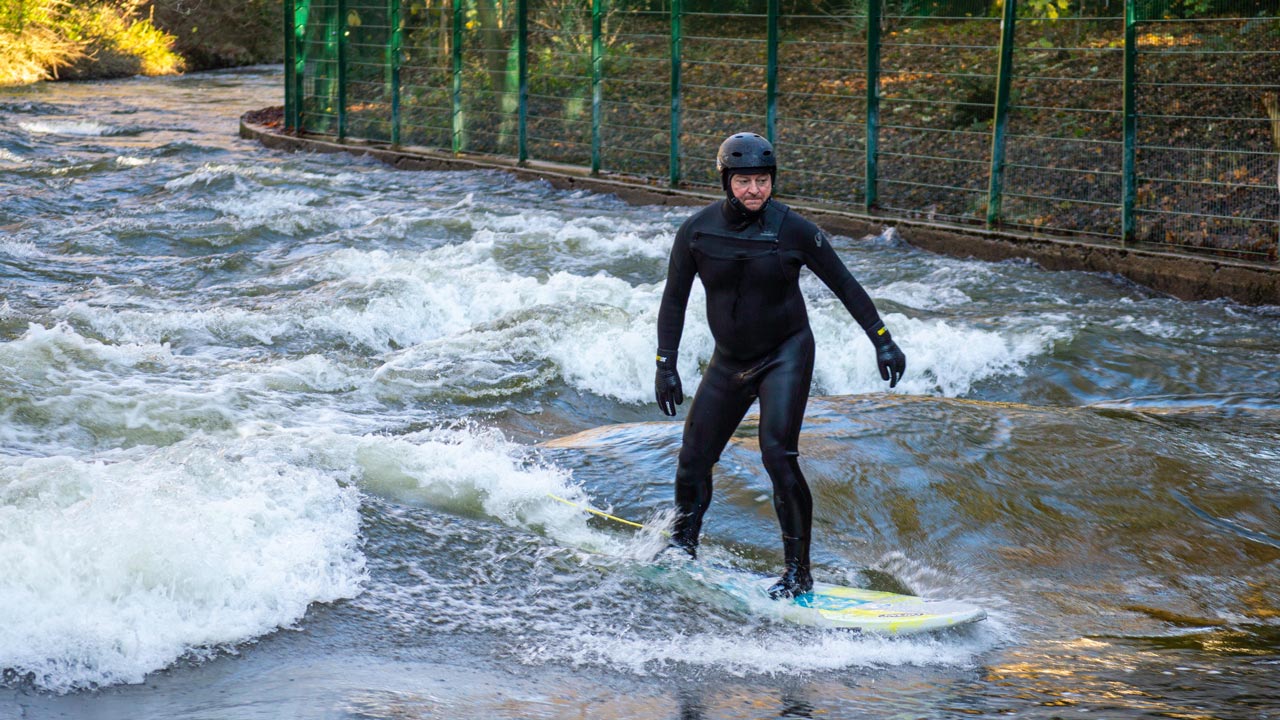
197	327
211	173
126	161
95	394
119	565
281	210
465	471
75	128
1150	326
443	316
751	649
943	357
50	354
19	248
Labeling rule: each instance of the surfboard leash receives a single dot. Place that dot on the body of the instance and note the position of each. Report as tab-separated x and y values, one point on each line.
601	513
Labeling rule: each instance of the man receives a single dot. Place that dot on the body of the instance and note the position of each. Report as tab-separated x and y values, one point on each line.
748	251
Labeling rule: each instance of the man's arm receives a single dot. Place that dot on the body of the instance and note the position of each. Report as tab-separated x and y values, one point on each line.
826	264
822	259
675	299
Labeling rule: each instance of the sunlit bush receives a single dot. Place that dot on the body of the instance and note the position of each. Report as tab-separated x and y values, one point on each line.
48	39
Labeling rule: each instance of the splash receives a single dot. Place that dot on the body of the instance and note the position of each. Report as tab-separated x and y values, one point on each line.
117	566
74	128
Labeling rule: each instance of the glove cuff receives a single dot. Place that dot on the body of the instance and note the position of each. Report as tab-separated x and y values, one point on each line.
879	334
666	358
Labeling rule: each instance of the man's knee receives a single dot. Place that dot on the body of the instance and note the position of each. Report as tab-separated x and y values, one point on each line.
694	462
779	460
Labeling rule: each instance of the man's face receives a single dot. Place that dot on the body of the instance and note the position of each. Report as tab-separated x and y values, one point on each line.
751	190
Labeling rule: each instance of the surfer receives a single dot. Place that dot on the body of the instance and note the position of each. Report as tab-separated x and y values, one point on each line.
748	250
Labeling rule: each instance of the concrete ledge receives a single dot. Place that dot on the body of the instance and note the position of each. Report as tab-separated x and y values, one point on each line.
1186	276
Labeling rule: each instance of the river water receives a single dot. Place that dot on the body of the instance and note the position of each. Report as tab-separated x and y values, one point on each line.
279	435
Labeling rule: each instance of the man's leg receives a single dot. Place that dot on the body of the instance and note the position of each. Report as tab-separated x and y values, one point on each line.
784	394
717	408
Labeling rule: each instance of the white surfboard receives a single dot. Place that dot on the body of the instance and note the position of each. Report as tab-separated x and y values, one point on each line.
850	608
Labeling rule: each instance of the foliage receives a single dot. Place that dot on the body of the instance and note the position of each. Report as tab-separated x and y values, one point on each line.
1047	9
563	60
35	54
1187	9
222	33
117	42
45	39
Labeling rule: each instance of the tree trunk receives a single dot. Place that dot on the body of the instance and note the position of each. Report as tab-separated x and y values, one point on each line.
446	34
501	62
494	39
1271	101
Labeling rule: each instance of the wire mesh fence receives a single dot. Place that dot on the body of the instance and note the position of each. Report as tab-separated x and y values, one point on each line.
1065	137
1152	122
1206	153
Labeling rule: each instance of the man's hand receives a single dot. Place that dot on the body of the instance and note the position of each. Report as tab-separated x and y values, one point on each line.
889	357
666	383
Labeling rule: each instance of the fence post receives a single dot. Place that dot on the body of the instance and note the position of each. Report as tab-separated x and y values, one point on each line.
1004	82
597	62
393	65
771	74
326	80
290	72
343	32
457	76
673	161
873	105
522	74
302	10
1128	175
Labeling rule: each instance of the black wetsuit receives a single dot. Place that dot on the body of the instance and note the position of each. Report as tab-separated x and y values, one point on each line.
749	264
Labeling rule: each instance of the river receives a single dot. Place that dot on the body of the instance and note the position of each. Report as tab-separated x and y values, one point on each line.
279	436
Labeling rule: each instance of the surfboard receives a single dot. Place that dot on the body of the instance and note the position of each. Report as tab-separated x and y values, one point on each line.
828	606
838	606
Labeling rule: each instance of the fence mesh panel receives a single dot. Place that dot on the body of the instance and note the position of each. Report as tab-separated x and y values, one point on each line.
426	74
636	99
369	87
1066	124
822	102
1144	122
1206	146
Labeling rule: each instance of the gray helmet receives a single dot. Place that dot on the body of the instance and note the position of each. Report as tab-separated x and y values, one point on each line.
745	151
741	151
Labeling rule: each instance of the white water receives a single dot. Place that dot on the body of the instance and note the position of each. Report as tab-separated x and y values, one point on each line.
118	565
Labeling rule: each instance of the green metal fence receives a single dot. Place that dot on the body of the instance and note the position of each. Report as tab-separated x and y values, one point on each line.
1153	122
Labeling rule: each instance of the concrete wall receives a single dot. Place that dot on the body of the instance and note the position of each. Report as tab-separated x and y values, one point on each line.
1190	277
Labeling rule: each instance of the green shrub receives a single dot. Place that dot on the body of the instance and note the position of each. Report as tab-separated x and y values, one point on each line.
48	39
117	42
35	54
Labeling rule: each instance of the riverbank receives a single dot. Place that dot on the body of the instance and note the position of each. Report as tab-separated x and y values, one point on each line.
43	40
1182	275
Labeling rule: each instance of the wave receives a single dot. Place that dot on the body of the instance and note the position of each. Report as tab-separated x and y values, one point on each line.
73	128
120	564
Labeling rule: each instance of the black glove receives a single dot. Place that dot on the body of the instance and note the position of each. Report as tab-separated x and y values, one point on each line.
666	383
889	357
